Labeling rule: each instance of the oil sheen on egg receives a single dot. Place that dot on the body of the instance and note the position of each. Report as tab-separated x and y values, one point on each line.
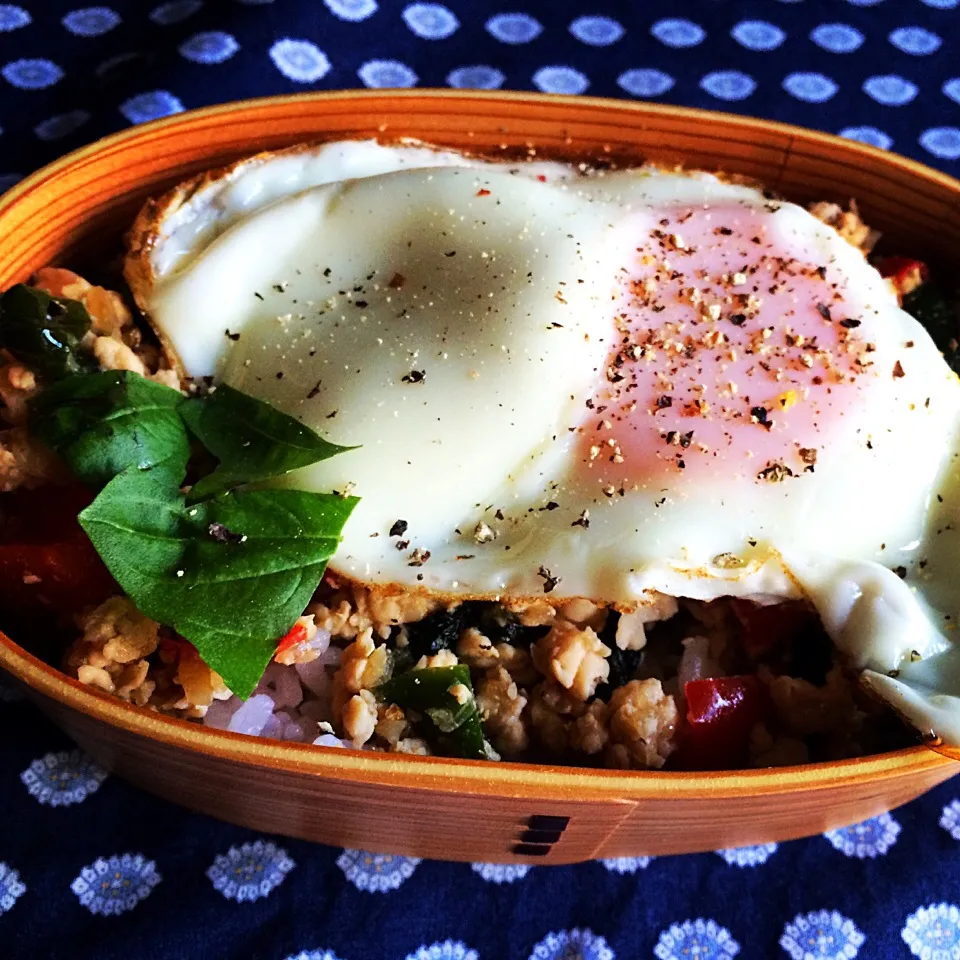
590	385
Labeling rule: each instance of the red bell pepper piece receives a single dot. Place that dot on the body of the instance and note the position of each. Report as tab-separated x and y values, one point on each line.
906	273
721	712
771	627
47	563
296	634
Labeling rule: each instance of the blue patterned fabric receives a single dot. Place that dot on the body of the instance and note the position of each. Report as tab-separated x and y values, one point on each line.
91	868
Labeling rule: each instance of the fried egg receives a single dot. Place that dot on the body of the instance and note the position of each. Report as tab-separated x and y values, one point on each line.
561	382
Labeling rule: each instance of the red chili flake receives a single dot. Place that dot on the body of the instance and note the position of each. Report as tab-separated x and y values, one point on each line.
541	178
775	472
663	402
397	281
898	371
414	376
483	193
849	323
760	415
399	528
582	521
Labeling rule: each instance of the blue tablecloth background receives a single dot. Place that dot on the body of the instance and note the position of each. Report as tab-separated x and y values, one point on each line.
92	868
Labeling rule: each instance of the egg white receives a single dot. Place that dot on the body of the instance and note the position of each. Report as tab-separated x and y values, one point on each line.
449	317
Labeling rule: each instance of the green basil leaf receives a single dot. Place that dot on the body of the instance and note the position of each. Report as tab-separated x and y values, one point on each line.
458	726
231	574
103	423
252	440
44	332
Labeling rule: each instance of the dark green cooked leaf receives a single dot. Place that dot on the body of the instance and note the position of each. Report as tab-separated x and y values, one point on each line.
252	440
939	312
44	332
103	423
231	574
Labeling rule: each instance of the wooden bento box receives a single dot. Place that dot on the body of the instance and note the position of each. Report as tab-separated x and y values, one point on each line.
76	210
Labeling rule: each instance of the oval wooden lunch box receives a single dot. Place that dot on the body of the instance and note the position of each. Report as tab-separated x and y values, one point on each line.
75	211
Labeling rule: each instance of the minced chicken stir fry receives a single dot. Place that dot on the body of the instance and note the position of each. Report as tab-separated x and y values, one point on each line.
682	684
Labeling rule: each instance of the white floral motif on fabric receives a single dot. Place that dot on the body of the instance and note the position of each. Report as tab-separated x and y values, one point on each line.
810	87
728	85
150	106
679	33
13	17
91	22
113	885
890	90
758	35
353	11
645	82
933	933
210	46
702	939
943	142
597	31
822	935
576	944
748	856
376	872
448	950
870	135
430	21
12	888
63	778
299	60
560	80
387	74
32	73
870	839
479	77
250	871
514	28
950	819
626	865
915	41
837	37
500	872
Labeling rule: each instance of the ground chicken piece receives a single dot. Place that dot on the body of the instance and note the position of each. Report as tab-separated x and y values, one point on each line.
26	463
516	661
575	658
392	723
643	720
18	386
501	705
442	658
551	730
584	613
805	709
201	685
413	746
476	649
116	355
847	223
360	717
553	712
588	733
111	654
352	610
531	613
362	666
